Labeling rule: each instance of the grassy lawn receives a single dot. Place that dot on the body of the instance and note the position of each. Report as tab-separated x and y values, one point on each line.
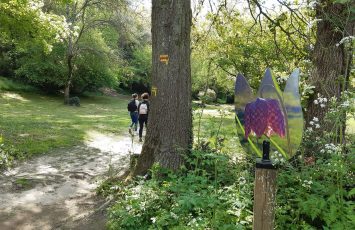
217	121
36	123
350	126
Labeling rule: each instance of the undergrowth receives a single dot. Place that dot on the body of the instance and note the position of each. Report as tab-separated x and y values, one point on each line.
8	155
208	193
214	192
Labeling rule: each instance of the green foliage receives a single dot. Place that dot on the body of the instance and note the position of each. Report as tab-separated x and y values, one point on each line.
339	111
214	189
24	23
74	101
8	154
315	192
207	96
37	38
317	196
231	42
94	67
204	194
45	70
138	68
211	191
10	85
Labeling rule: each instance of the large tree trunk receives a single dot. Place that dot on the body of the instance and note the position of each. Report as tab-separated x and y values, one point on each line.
169	133
329	59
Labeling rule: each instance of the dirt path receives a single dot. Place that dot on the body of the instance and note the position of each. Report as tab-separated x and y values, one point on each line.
57	190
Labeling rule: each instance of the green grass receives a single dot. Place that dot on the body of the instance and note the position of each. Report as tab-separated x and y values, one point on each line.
350	126
36	123
213	123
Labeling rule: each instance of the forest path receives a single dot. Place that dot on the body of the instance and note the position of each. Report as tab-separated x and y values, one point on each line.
57	190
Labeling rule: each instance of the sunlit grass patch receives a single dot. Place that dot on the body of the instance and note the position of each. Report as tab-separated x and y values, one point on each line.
37	123
350	126
217	125
11	95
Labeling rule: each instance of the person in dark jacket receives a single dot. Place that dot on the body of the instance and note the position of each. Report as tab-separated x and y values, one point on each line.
133	111
143	110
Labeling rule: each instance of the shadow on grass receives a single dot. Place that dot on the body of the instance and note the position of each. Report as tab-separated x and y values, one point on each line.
36	123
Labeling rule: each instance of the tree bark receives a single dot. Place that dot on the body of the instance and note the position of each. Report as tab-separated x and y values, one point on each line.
67	93
70	74
329	59
169	133
70	56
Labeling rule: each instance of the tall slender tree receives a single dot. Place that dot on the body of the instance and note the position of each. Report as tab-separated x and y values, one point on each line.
82	17
169	133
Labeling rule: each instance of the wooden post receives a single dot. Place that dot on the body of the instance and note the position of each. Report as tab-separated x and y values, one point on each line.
264	192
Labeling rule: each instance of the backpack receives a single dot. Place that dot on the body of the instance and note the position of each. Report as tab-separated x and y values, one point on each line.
132	106
143	108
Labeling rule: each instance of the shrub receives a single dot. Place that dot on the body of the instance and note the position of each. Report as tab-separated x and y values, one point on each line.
74	101
8	154
12	85
206	194
208	97
317	196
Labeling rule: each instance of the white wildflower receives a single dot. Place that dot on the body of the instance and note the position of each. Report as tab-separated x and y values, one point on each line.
173	215
242	180
345	104
307	184
344	40
312	4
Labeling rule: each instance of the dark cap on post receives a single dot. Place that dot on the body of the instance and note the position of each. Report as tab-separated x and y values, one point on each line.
265	162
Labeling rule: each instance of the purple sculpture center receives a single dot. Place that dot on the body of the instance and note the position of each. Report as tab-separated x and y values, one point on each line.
264	116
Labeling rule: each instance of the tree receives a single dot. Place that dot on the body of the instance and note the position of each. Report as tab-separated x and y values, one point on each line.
169	133
331	59
77	17
236	44
81	44
23	25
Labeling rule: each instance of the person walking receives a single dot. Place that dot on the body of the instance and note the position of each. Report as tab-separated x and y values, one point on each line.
143	110
133	111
